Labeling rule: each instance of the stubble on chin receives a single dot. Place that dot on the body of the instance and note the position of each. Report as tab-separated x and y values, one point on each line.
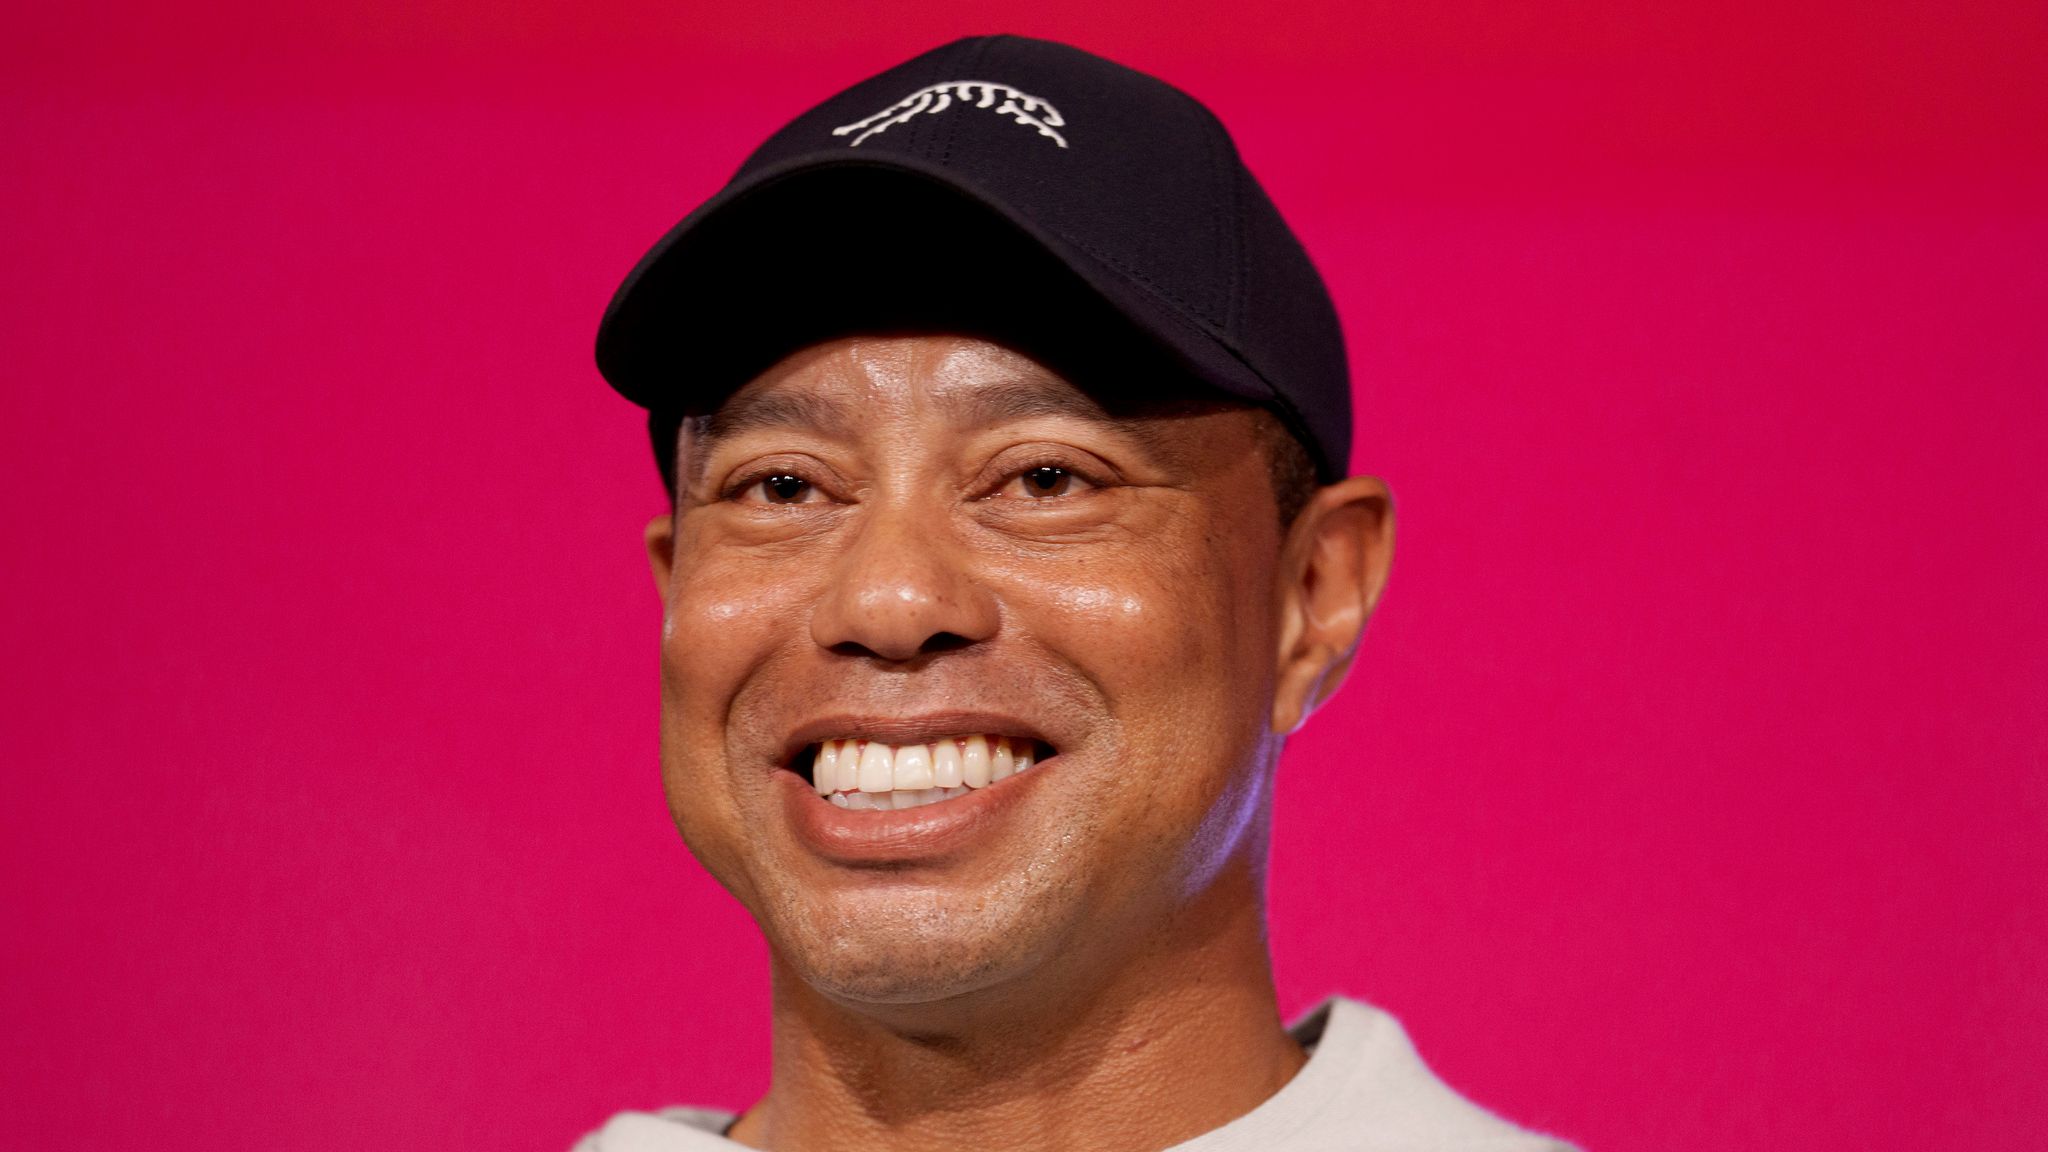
923	947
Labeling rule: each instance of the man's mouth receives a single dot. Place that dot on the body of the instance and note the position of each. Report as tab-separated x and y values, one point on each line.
868	774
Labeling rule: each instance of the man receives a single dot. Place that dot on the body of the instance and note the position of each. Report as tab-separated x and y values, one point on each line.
1006	426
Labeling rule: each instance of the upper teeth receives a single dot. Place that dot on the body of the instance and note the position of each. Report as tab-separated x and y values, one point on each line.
871	774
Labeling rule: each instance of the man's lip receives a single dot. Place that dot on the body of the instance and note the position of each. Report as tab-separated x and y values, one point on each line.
893	839
900	729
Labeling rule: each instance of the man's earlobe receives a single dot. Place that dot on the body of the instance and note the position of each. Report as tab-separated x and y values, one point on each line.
1333	567
661	551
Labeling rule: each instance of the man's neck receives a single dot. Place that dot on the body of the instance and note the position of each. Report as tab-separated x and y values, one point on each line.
1183	1037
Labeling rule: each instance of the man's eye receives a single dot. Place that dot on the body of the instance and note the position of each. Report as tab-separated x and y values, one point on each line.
1045	481
781	488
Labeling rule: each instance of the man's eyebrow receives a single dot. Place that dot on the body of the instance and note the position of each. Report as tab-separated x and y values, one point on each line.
970	406
749	412
980	405
1004	401
1023	398
772	409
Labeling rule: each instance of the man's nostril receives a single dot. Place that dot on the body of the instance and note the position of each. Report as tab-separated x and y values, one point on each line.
935	644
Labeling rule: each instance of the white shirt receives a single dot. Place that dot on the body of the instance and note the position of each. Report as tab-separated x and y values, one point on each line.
1364	1089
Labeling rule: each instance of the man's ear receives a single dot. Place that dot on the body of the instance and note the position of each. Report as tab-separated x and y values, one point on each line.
661	551
1332	569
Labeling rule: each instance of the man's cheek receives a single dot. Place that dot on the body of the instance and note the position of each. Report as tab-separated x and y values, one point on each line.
713	638
728	611
1146	619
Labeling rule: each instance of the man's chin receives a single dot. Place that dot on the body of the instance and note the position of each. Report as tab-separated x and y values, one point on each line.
873	988
890	963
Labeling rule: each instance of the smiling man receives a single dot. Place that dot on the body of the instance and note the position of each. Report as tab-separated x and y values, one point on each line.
1006	425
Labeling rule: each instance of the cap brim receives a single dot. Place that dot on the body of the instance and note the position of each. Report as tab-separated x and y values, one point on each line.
832	243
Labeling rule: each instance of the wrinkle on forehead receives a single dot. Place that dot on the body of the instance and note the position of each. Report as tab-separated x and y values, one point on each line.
917	371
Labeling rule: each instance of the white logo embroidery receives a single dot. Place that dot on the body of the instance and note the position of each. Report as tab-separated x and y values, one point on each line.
1026	109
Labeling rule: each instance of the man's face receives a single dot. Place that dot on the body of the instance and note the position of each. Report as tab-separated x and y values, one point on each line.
915	541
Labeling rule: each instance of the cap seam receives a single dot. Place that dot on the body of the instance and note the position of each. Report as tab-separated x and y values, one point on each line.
1239	319
1284	406
1241	302
978	49
1219	223
1189	316
923	131
1189	310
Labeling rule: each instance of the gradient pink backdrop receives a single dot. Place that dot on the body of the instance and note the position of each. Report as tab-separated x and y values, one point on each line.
1691	792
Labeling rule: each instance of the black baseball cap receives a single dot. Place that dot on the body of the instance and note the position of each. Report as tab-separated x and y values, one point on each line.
997	184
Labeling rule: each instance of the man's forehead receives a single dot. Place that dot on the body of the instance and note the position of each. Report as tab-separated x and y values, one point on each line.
963	380
938	361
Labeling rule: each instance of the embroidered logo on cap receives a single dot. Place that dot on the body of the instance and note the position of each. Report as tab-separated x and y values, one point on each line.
1025	109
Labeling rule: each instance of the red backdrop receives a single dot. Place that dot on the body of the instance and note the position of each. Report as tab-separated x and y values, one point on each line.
1691	792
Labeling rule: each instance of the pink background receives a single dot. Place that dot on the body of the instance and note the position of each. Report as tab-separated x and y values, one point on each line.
1691	792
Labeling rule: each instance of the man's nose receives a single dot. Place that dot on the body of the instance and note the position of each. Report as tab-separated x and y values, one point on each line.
902	588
